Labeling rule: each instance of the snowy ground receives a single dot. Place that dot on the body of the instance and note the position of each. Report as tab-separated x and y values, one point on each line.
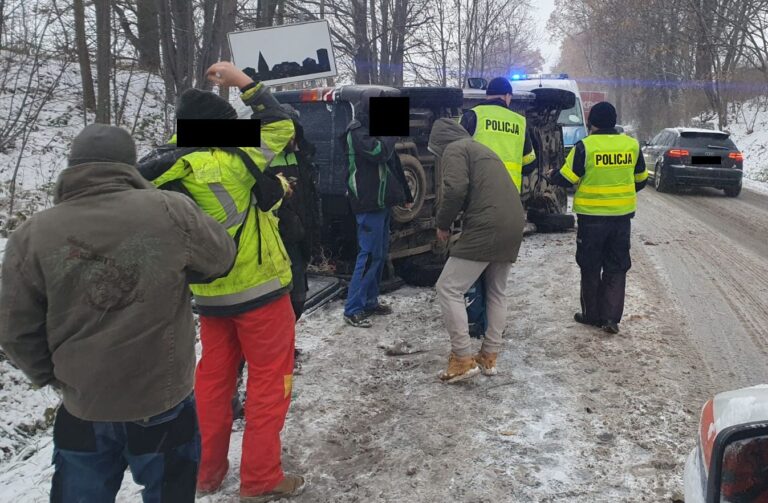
755	144
574	415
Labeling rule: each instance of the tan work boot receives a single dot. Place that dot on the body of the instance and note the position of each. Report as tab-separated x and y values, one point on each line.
459	368
487	363
291	485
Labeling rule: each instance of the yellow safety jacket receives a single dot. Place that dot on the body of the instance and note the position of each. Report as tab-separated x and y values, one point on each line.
221	186
608	185
503	131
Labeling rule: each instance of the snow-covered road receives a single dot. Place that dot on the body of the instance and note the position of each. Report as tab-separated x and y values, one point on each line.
575	414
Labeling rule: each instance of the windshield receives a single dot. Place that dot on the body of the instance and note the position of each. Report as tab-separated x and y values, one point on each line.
705	140
571	116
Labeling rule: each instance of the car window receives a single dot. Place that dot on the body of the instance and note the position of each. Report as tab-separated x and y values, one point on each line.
668	139
571	116
704	140
657	138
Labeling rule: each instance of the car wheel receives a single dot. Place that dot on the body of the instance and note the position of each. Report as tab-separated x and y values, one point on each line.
550	222
733	191
417	183
661	180
420	270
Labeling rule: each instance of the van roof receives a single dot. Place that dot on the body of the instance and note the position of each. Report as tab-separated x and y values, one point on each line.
527	85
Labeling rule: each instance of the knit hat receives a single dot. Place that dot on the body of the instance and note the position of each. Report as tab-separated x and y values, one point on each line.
102	143
197	104
602	116
498	86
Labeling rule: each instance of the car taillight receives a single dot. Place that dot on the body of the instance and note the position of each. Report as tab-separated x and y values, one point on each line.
736	156
676	152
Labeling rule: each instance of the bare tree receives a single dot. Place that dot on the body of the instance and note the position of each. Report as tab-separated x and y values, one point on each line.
103	59
83	56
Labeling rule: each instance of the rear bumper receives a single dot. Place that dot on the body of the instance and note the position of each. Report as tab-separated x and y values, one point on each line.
702	176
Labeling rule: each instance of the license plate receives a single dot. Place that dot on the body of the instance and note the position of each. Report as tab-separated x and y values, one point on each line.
697	160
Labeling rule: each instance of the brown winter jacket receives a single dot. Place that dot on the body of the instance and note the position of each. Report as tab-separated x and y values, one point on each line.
94	297
476	182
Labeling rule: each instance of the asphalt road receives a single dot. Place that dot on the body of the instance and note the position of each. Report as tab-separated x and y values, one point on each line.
711	251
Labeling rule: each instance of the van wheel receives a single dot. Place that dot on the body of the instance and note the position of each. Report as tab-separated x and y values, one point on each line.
420	270
733	191
417	183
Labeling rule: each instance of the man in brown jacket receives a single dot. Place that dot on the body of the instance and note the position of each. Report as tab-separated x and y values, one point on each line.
95	302
476	182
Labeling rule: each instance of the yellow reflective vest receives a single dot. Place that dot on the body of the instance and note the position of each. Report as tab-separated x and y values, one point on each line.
221	186
608	185
503	131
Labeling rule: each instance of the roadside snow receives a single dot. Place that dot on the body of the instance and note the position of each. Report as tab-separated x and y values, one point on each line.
753	144
573	416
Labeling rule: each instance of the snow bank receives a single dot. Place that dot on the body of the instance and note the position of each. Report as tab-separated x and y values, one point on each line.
753	144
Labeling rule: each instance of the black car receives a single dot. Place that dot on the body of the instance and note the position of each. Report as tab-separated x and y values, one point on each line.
688	157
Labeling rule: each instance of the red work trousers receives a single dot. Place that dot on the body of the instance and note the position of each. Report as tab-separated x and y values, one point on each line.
265	337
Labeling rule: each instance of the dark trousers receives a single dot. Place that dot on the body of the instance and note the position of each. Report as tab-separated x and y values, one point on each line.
90	457
602	252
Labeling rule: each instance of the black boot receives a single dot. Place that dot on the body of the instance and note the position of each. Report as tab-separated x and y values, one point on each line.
580	318
611	327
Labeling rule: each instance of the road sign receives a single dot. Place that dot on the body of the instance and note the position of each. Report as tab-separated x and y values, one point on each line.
286	53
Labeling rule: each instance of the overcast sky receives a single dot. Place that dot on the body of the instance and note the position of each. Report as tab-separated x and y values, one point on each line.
549	49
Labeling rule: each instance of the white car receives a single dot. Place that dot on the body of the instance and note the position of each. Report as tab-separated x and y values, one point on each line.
730	461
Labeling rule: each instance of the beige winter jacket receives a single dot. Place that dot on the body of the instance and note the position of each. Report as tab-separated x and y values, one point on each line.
476	182
94	296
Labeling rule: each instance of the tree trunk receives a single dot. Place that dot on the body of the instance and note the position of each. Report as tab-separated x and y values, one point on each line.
83	56
169	51
184	35
229	12
210	49
103	59
362	56
149	35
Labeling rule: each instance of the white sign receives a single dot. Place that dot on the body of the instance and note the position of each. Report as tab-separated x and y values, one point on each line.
286	53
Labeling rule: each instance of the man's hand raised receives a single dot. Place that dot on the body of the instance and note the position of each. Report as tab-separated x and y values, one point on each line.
226	74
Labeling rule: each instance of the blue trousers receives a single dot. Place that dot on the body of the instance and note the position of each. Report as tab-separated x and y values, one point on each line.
373	244
90	457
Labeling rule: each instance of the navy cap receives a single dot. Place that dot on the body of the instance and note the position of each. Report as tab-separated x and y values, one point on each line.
498	86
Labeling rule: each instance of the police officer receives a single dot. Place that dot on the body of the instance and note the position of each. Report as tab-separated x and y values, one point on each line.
497	127
607	169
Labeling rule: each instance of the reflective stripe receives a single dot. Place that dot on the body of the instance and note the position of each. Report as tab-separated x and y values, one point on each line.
603	202
529	158
607	189
641	177
268	155
230	207
569	175
233	299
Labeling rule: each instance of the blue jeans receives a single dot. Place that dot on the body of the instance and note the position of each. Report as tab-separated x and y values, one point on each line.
373	242
90	457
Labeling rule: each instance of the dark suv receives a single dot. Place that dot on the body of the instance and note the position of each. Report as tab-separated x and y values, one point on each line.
678	157
415	254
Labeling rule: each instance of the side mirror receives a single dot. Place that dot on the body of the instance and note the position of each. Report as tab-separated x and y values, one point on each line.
739	473
477	83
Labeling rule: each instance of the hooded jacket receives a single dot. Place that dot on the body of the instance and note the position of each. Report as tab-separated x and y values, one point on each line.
376	180
476	183
94	295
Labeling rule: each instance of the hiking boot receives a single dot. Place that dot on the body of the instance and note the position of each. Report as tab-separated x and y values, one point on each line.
611	327
358	320
379	310
487	363
459	368
291	485
580	318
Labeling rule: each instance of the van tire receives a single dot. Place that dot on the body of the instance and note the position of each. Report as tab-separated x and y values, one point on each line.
416	271
417	182
551	222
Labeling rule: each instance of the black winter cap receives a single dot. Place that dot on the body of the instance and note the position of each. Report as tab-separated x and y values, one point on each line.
197	104
602	116
498	87
102	143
